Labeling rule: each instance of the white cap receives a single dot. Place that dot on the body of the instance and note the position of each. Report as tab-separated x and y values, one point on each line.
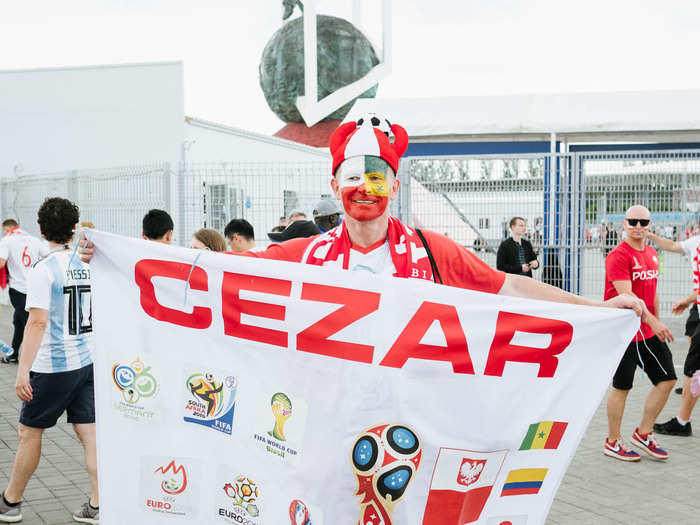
326	207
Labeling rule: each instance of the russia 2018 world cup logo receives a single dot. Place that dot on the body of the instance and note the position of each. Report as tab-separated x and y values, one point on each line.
384	459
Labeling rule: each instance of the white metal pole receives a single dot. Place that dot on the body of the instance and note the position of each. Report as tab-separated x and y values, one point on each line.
552	186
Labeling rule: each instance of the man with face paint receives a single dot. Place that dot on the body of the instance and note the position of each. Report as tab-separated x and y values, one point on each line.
363	178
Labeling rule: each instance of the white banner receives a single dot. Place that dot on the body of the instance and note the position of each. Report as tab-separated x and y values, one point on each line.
280	393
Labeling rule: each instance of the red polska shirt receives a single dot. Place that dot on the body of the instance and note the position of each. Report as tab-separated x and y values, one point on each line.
641	268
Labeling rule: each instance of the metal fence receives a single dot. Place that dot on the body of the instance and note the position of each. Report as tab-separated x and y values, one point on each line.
570	202
573	203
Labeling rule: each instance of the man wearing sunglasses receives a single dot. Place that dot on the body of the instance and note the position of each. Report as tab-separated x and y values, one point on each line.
633	268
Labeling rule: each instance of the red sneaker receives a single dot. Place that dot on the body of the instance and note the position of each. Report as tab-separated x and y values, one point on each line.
648	444
617	450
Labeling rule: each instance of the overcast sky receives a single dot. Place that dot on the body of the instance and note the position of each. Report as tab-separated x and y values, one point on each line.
441	47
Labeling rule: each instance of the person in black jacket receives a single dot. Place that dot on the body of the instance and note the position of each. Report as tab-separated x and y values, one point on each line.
515	254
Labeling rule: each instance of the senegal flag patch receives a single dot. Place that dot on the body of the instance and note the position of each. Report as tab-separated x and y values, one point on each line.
543	435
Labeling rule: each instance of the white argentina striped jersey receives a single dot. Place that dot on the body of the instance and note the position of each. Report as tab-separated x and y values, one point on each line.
65	293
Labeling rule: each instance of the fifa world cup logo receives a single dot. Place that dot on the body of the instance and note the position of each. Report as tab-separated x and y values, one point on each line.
282	411
384	459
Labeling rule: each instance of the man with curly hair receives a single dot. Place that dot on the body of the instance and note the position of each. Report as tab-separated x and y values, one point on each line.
55	373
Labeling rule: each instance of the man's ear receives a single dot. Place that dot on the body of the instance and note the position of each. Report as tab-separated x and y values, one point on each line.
335	187
394	188
169	235
143	236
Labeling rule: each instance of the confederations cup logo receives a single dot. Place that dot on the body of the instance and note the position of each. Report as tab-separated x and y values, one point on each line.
134	381
384	459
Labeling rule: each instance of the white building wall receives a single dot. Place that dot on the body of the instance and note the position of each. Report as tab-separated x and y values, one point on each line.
84	117
211	142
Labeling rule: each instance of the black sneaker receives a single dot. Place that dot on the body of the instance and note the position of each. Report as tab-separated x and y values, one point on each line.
8	360
679	390
673	428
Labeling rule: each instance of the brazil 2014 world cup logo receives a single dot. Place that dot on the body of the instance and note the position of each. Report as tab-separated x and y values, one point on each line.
135	381
384	460
282	410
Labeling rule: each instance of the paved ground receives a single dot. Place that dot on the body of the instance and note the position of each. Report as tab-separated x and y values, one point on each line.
596	490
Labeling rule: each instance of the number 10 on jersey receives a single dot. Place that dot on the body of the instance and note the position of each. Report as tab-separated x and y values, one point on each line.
79	313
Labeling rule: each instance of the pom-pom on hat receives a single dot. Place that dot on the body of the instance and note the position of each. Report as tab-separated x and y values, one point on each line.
354	139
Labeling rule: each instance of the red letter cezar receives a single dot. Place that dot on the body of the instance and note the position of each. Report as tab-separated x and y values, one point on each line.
355	305
502	350
408	344
232	306
147	269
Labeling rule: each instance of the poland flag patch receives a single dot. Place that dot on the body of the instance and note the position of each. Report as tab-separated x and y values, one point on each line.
461	485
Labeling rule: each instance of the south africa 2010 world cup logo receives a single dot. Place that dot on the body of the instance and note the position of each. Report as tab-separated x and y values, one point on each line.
384	459
210	398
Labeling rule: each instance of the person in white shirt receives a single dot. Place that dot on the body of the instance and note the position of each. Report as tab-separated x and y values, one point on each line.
680	424
55	372
18	252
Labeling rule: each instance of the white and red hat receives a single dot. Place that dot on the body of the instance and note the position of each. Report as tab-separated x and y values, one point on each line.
364	137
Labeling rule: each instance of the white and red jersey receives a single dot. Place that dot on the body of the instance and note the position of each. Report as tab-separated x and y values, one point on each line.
641	268
695	263
21	251
457	266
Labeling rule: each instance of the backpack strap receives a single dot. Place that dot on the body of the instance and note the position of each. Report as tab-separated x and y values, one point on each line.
433	264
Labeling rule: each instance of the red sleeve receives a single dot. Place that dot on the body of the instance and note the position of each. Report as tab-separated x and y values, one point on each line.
291	250
460	268
617	266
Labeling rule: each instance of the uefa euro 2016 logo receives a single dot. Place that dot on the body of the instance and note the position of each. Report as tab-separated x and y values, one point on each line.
282	411
134	381
384	459
299	513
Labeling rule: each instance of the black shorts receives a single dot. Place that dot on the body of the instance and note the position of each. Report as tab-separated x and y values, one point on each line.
692	322
692	360
656	361
72	391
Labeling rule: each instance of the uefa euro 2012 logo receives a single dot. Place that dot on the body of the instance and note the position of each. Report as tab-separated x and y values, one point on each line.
136	384
245	498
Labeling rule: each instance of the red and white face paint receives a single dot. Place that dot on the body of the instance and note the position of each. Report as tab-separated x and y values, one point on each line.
364	187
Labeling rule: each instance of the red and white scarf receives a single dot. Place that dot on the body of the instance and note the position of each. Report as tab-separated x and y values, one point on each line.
407	251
